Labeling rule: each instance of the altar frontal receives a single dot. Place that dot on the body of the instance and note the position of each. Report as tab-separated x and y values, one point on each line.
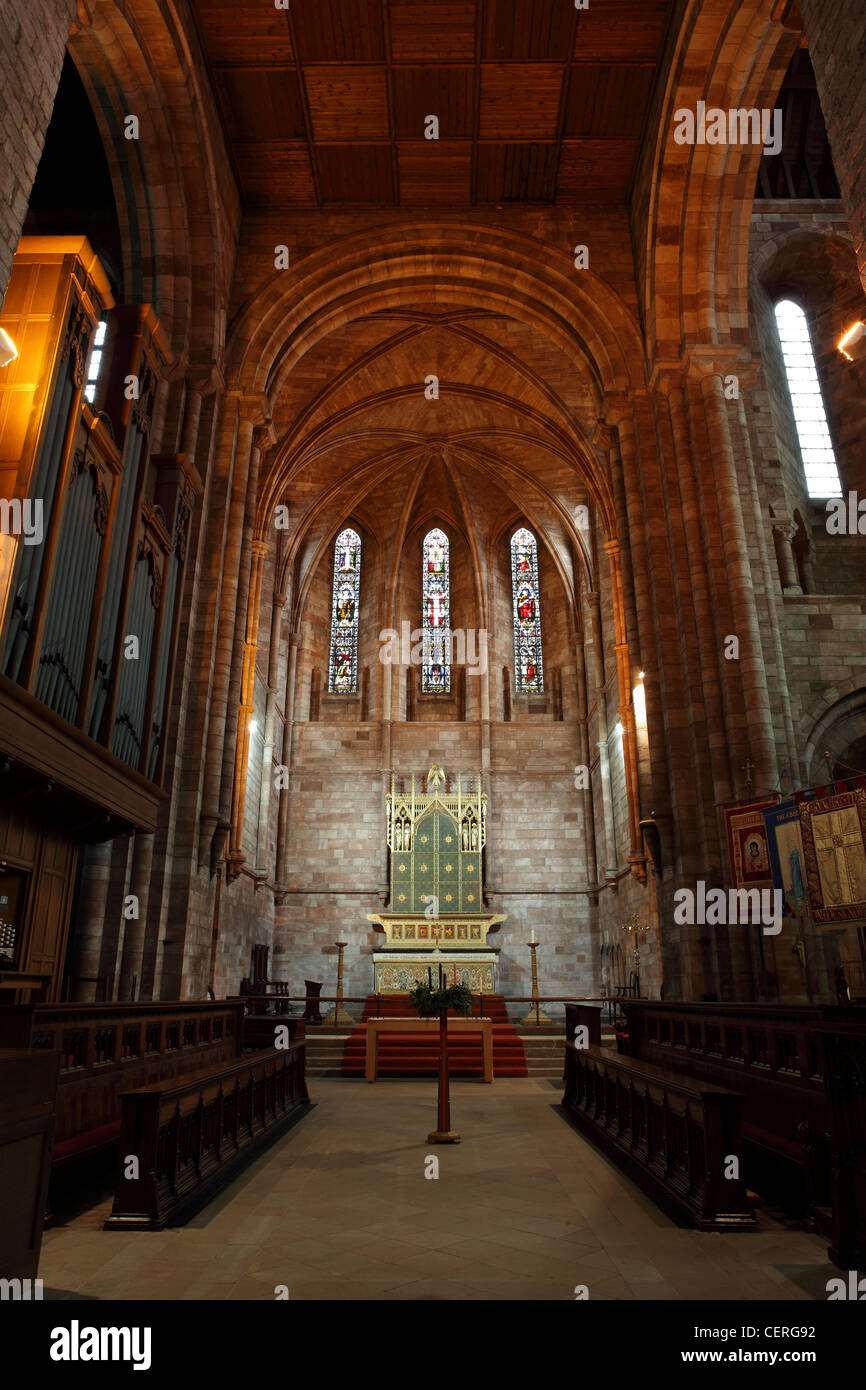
436	842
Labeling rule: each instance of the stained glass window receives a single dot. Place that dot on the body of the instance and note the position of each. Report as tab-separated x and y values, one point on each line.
343	668
819	460
436	588
529	673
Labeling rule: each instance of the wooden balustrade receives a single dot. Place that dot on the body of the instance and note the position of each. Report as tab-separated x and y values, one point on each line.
106	1048
190	1137
674	1137
773	1055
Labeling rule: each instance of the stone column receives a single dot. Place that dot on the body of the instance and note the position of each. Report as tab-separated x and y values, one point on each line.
136	927
783	534
277	604
753	676
280	883
92	908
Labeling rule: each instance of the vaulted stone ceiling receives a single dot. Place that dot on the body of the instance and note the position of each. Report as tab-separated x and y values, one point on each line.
360	432
324	103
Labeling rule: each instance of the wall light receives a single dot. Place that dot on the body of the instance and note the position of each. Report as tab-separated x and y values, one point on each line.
8	350
254	724
852	344
640	675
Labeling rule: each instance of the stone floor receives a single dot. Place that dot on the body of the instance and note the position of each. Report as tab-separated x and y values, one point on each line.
340	1208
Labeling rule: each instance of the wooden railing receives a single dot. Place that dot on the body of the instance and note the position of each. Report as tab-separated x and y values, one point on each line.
106	1048
673	1136
773	1054
189	1138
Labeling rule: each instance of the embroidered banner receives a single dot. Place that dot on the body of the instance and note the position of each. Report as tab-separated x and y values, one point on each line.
785	847
834	854
747	844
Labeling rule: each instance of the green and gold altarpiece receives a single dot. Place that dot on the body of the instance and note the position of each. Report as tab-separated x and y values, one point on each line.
436	840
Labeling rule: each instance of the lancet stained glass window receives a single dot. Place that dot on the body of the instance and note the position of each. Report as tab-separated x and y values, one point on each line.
343	667
529	672
436	589
816	446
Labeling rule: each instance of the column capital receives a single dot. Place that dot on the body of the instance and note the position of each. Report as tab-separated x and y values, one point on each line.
715	359
252	406
667	376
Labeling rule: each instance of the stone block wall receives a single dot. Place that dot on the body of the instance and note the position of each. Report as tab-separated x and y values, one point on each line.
33	36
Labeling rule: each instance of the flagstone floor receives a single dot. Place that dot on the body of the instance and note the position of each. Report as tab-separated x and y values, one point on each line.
340	1208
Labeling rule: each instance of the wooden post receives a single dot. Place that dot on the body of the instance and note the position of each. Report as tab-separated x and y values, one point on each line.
444	1134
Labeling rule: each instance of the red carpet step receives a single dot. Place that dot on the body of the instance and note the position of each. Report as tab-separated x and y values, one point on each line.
417	1054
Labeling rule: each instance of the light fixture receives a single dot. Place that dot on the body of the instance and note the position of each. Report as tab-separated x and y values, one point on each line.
852	344
8	350
254	724
640	675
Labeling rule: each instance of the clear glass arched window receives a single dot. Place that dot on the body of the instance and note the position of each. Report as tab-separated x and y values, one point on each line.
343	665
436	592
528	668
810	416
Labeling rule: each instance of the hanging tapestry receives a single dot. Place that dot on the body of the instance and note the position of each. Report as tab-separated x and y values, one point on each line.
785	847
834	853
747	843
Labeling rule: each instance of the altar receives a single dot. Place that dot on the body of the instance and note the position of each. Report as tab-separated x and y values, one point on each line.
435	916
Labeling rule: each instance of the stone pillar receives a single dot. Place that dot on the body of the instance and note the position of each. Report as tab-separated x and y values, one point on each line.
611	865
836	34
280	884
136	927
93	905
585	797
753	676
783	534
261	863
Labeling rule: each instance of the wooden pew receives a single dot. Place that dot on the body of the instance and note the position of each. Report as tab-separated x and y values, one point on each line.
587	1016
261	1030
190	1137
772	1055
846	1070
108	1048
28	1090
672	1136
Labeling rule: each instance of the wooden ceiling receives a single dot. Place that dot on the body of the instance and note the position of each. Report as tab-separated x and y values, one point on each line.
324	104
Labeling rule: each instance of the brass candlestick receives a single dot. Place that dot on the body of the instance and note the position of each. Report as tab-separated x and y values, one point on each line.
637	930
536	1013
338	1013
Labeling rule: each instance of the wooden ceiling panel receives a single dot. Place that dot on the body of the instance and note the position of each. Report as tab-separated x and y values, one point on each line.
593	171
520	103
275	175
424	30
516	173
355	173
335	31
448	93
621	29
238	33
528	93
348	103
435	172
542	29
608	101
261	103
